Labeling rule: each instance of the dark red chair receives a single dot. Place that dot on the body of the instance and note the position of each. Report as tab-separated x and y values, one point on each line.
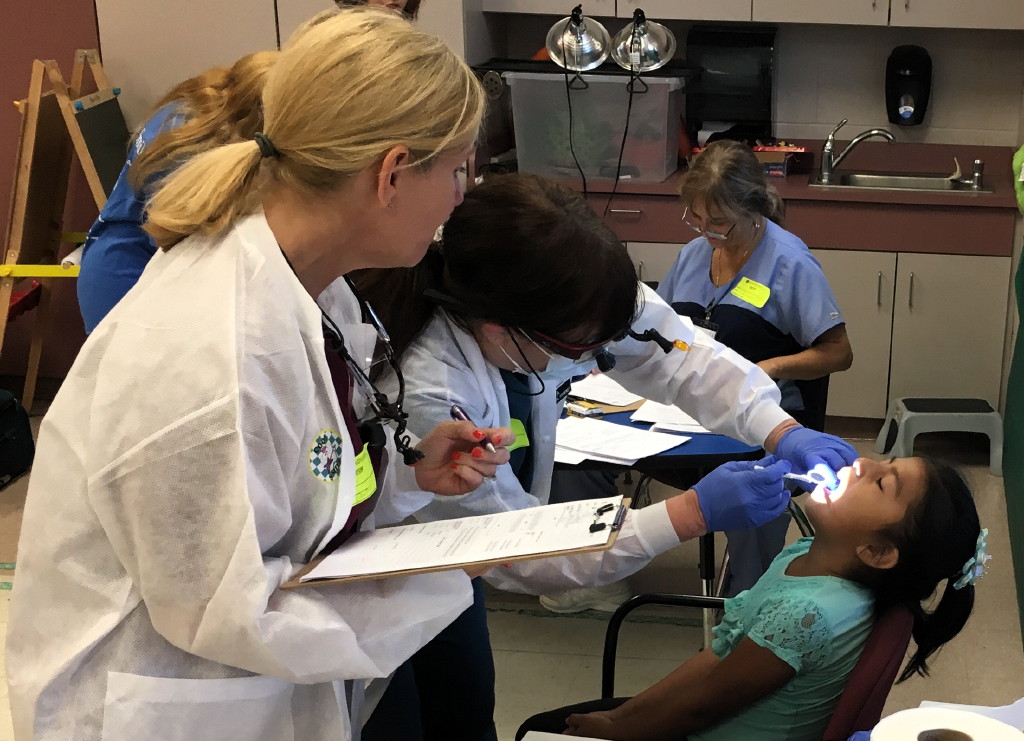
860	705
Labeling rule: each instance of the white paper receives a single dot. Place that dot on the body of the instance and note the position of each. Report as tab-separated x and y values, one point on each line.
667	417
551	528
1012	715
607	440
602	389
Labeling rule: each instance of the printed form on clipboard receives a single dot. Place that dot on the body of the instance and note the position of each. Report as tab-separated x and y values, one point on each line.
537	532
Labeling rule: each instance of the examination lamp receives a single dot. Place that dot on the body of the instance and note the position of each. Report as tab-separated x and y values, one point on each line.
643	45
577	44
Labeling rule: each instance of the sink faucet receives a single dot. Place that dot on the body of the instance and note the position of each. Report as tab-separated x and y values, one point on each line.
829	163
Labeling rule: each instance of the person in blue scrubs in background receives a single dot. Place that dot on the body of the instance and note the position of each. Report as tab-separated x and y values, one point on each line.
203	112
758	290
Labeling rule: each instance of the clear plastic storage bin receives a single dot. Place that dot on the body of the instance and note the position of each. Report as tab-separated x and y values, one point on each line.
540	112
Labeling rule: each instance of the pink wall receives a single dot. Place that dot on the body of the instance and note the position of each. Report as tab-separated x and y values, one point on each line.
42	29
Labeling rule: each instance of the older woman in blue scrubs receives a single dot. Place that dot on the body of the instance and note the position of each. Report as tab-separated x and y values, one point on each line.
757	289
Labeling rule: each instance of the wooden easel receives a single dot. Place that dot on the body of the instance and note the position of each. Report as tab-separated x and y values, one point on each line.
50	132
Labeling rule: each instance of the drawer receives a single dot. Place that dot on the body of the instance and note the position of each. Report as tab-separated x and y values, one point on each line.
641	218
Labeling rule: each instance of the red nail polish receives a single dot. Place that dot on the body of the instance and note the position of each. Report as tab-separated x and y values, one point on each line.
455	467
456	456
477	453
477	435
496	439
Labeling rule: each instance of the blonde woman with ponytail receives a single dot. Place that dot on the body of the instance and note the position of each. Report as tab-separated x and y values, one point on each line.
220	105
206	442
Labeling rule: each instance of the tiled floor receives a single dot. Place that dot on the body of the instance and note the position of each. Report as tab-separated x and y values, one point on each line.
544	661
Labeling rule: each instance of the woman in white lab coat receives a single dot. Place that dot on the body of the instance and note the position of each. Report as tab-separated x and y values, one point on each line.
205	442
526	290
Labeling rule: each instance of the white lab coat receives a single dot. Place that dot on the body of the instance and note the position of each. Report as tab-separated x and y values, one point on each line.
444	366
173	492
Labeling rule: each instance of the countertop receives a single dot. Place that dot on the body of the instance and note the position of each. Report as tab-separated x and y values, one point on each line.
869	156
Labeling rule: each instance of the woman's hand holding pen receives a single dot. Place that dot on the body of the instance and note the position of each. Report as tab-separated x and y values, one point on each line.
455	461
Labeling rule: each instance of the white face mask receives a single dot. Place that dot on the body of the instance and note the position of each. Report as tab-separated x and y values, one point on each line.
515	366
561	368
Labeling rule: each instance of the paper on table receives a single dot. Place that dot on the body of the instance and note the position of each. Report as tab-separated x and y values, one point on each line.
667	417
611	441
466	540
602	389
1012	715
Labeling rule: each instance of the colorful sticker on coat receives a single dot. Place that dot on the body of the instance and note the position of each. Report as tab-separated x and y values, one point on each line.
325	455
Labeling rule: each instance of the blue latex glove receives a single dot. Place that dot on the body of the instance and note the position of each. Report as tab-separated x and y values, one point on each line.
806	448
736	496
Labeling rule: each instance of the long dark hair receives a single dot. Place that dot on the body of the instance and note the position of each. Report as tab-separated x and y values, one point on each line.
727	175
521	251
935	540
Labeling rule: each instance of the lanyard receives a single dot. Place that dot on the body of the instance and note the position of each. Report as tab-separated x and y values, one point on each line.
716	301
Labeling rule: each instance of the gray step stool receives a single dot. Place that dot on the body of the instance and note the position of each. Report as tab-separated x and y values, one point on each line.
908	418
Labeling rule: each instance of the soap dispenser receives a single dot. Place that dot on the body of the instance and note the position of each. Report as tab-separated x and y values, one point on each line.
908	83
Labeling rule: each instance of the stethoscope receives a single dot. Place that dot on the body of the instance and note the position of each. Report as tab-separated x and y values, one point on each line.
384	410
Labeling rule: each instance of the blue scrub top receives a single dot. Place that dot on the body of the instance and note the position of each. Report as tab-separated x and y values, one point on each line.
800	305
117	249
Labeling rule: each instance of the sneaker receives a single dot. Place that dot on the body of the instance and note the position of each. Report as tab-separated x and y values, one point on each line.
606	598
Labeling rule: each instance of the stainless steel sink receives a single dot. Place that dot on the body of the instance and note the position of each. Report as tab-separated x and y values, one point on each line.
897	181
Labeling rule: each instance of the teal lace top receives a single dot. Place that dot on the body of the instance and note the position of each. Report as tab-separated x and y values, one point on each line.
817	625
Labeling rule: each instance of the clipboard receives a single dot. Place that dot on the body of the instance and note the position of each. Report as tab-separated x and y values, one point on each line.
605	516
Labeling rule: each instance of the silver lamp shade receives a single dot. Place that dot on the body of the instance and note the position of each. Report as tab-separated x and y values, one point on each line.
578	44
643	45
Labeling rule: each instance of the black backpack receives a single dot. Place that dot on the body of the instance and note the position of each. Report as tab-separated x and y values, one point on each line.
16	445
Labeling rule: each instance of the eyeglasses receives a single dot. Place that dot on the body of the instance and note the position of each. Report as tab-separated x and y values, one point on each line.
706	232
580	353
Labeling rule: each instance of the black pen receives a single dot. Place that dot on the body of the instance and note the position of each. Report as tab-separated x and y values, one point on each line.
620	517
460	416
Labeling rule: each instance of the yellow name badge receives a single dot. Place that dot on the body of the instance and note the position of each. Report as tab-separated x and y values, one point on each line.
522	441
366	482
752	292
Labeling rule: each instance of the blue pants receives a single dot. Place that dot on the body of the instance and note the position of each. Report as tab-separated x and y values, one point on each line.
445	692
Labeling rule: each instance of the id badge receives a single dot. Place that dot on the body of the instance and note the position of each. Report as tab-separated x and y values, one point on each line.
706	327
562	392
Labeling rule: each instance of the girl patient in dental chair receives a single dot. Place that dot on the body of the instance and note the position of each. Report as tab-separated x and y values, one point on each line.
891	533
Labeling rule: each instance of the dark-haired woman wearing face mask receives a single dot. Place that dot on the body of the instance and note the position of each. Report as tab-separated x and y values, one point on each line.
527	290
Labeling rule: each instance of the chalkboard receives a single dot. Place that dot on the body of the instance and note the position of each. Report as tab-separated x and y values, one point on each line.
106	136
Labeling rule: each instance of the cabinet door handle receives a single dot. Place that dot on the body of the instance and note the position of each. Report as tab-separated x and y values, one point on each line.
906	5
874	4
879	300
640	270
630	211
910	293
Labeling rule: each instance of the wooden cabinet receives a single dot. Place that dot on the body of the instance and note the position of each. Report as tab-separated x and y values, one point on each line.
546	7
864	284
689	10
653	259
949	321
957	14
919	325
858	12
